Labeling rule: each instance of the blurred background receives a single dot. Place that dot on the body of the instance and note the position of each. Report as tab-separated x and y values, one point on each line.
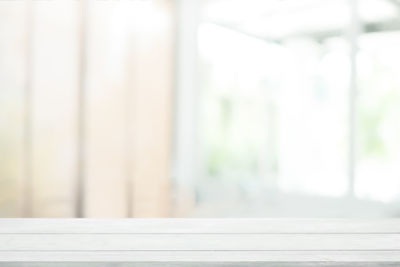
199	108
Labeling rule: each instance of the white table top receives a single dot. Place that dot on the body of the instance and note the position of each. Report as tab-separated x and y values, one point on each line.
197	242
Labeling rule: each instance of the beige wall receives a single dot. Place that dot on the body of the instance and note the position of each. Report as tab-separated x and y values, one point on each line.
151	69
127	83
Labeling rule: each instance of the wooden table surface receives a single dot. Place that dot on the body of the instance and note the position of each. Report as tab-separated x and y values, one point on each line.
199	242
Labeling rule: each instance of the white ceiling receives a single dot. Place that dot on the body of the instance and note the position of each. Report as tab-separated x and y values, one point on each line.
277	19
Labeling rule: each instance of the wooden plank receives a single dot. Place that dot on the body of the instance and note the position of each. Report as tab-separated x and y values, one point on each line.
203	256
153	226
197	241
198	264
194	242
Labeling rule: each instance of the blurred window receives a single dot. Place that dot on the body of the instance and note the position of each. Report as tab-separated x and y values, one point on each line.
276	108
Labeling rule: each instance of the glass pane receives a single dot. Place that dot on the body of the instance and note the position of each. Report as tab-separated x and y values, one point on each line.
378	129
275	82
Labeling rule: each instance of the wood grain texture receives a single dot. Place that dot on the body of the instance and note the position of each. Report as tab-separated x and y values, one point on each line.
196	264
193	242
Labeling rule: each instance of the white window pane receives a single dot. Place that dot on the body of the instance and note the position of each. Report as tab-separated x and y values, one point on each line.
378	130
275	86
